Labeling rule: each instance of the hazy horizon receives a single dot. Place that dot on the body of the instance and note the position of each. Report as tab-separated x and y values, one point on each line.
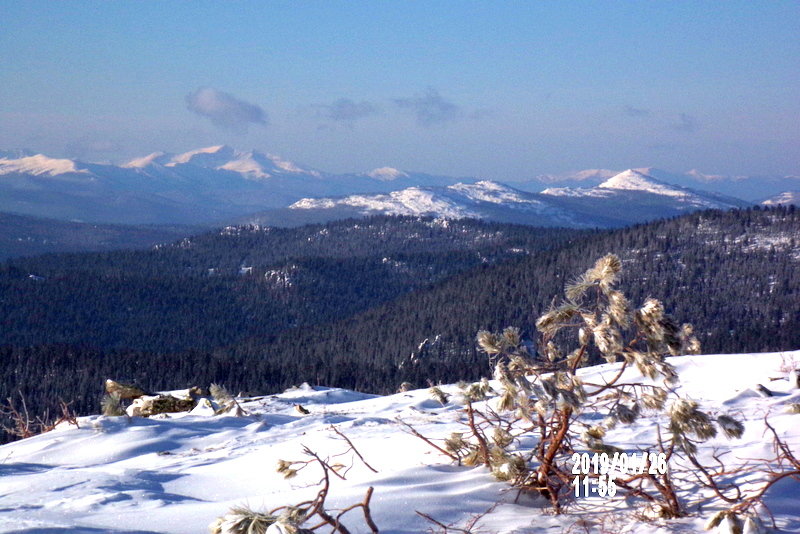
502	91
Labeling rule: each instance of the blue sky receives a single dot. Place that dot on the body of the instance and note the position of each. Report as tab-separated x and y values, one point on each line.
502	90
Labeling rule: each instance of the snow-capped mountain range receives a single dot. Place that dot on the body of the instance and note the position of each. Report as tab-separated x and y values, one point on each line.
218	184
481	200
627	197
205	186
251	165
750	188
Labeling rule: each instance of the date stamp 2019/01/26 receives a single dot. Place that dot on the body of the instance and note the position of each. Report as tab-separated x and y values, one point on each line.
595	473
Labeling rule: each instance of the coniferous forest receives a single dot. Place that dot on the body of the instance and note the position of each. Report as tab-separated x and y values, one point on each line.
370	303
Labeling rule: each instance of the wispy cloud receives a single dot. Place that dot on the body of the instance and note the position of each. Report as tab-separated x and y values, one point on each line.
631	111
686	123
225	110
430	108
347	110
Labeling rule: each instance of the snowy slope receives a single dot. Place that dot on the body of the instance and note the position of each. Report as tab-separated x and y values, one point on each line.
40	165
177	474
751	188
411	201
633	196
631	180
785	198
584	178
638	182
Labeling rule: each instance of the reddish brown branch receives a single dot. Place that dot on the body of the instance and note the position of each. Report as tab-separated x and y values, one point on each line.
482	445
353	448
413	431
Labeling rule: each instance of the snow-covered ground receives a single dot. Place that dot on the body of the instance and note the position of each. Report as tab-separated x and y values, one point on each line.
177	474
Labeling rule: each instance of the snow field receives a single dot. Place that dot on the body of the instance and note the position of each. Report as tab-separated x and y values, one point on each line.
177	474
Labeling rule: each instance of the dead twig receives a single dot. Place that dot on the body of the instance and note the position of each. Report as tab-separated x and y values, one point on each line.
413	431
353	448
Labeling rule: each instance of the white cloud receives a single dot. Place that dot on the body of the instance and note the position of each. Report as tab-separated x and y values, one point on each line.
225	110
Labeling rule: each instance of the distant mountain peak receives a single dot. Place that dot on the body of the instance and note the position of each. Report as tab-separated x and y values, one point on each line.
634	183
387	174
40	165
633	180
251	164
288	166
145	161
218	151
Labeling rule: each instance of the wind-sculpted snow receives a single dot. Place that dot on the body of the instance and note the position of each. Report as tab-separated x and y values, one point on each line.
177	474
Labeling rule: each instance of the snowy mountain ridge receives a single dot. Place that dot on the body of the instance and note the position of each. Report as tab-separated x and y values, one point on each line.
483	200
750	188
637	181
40	165
410	201
785	198
575	207
219	184
251	164
209	185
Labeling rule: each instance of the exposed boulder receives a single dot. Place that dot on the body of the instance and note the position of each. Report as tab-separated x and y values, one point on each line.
124	391
149	405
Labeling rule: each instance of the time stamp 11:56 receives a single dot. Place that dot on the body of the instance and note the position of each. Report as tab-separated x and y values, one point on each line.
595	473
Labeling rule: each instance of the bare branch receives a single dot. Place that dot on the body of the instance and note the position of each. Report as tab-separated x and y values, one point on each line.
353	448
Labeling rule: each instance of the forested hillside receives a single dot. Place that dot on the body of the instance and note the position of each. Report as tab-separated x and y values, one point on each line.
369	304
22	235
733	275
219	288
